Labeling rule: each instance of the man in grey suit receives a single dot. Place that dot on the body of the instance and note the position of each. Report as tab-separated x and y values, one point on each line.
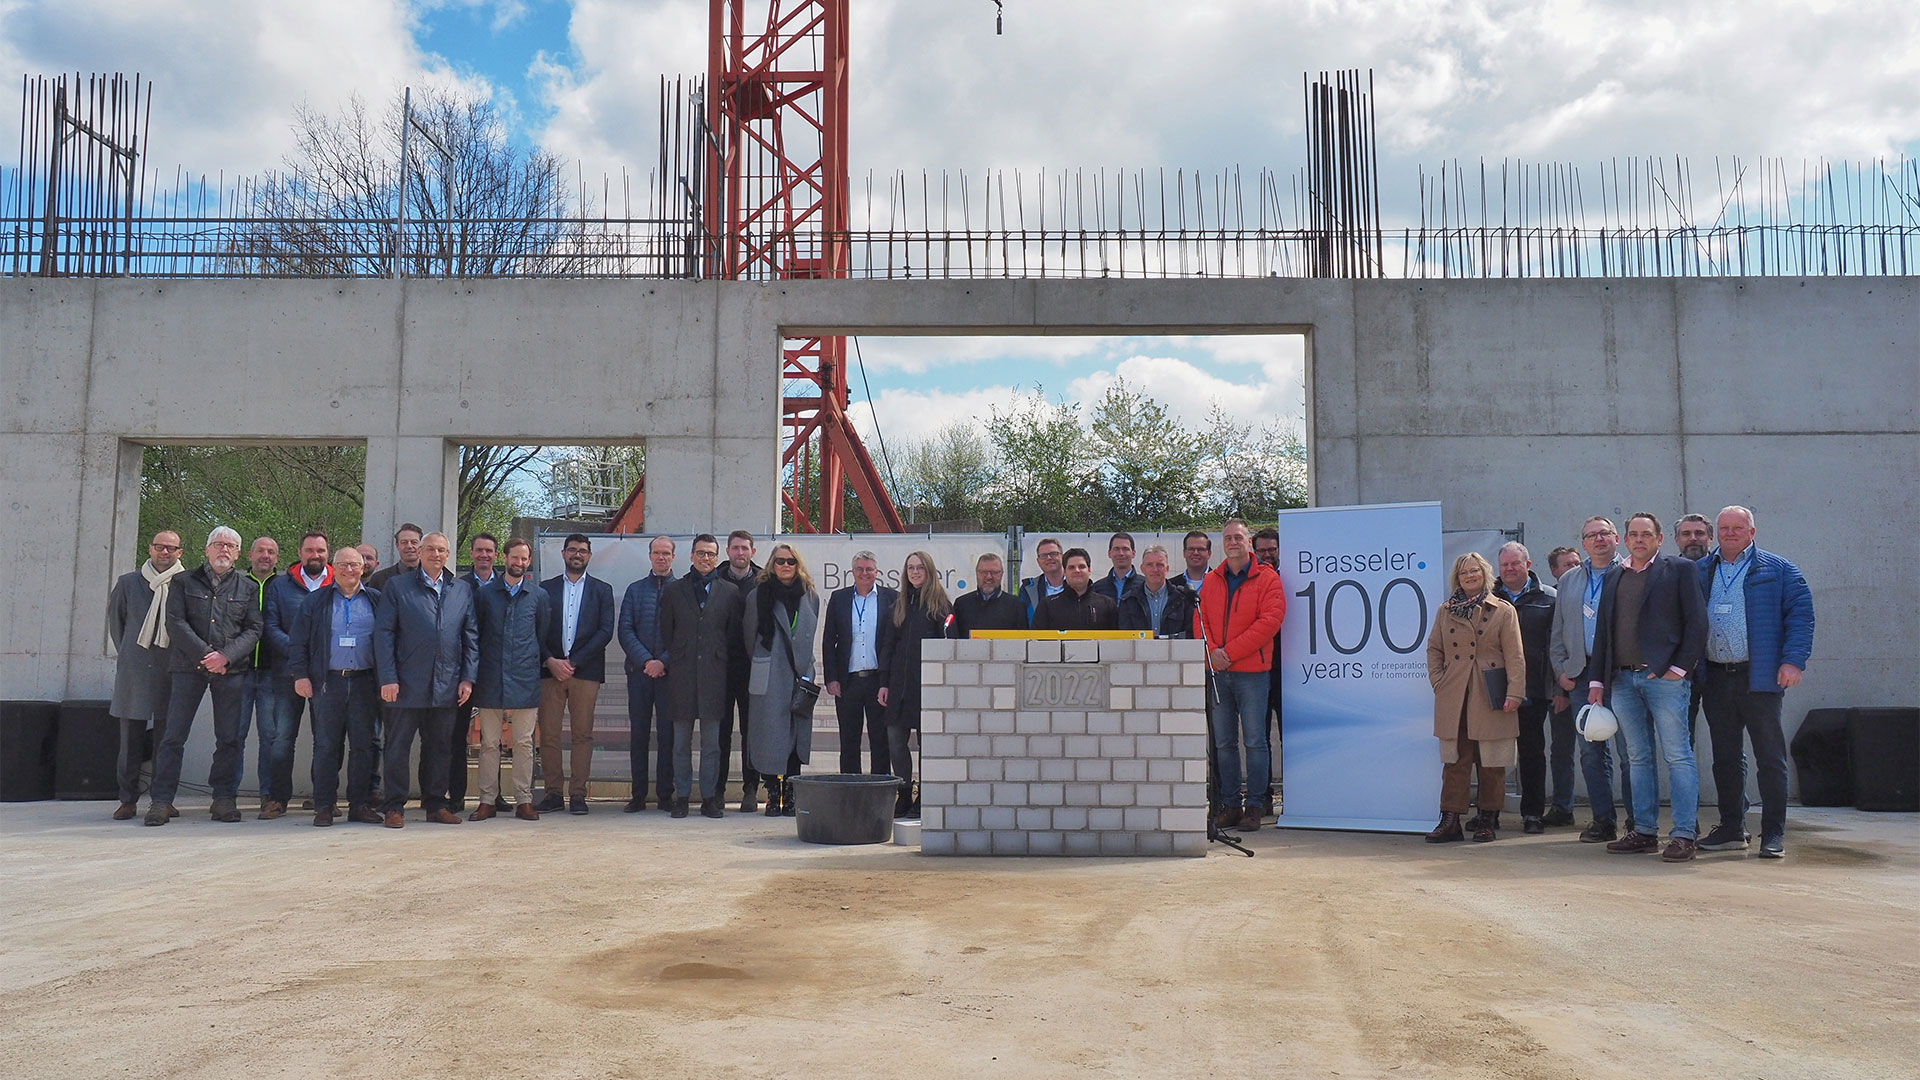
1576	615
426	649
700	622
137	631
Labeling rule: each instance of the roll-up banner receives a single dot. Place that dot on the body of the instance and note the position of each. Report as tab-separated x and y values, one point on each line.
1363	586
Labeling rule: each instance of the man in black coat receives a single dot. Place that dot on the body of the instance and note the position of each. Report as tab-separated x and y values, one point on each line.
1078	606
1534	603
576	643
700	622
142	680
988	606
1159	603
742	573
330	658
426	649
850	652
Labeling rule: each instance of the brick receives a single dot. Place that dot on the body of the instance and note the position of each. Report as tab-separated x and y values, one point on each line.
1033	817
1190	746
1153	843
1082	843
932	673
1157	748
1162	769
1116	795
963	674
1116	746
1103	723
942	769
936	793
955	722
998	674
1156	698
1093	769
936	843
1030	722
1191	794
1143	819
1046	843
1082	794
963	817
996	817
1009	649
933	721
1189	650
1111	651
1049	794
972	746
1189	697
1070	817
1131	770
1140	723
967	697
1126	675
1120	697
937	649
1190	845
1009	794
973	794
973	842
1006	746
932	817
1184	818
1193	674
937	746
1043	652
1009	842
996	722
1196	771
969	649
1183	723
1080	652
1163	674
1043	746
1002	698
1067	723
1106	818
1116	843
937	697
983	768
1083	746
1021	770
1153	795
1152	650
1056	769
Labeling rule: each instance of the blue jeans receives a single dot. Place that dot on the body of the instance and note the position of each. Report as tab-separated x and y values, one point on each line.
229	734
1596	765
269	705
343	714
1650	709
1240	714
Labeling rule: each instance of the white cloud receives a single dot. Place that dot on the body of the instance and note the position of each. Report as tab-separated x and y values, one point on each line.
913	415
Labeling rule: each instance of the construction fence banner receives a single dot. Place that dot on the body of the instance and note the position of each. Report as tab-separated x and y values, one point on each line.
621	559
1363	585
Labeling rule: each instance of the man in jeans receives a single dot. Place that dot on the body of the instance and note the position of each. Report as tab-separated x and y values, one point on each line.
262	710
1650	635
1242	603
646	651
1576	621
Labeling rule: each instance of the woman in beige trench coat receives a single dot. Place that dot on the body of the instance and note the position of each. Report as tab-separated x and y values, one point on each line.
1475	632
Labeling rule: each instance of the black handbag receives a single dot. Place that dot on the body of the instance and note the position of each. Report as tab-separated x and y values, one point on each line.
806	692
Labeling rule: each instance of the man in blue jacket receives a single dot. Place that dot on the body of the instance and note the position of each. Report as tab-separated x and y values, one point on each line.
647	677
330	658
513	616
426	650
285	595
1759	635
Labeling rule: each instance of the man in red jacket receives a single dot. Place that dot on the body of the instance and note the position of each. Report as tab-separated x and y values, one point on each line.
1241	604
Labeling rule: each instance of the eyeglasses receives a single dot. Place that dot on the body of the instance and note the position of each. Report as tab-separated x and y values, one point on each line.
226	545
788	561
577	551
1596	535
164	547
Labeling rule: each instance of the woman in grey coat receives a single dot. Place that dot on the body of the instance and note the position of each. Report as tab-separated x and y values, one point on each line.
782	616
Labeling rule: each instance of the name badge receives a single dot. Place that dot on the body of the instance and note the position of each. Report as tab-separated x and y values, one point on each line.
348	641
1589	611
1723	609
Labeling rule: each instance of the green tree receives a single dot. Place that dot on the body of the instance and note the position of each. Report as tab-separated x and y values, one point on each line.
1251	472
277	491
950	475
1147	465
1047	477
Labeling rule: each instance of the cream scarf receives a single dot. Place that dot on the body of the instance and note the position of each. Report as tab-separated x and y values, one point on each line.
153	629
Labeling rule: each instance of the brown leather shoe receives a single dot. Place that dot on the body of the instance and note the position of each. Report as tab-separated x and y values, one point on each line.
125	811
1679	849
1486	827
444	816
526	812
395	819
1250	819
271	809
365	815
1634	843
1448	830
481	812
1227	818
323	817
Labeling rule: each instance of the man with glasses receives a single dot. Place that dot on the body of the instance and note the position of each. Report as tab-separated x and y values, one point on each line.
647	677
1049	581
850	651
137	631
1266	549
1576	614
577	639
330	654
700	623
1242	603
1197	551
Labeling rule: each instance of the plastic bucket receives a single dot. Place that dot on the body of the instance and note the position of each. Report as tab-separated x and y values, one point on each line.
844	808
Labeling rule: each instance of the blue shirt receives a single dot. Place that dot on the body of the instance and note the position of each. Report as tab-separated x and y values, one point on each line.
1727	610
1156	607
352	619
1590	603
865	653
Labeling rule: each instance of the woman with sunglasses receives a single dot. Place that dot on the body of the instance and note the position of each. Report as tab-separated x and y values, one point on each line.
922	611
783	612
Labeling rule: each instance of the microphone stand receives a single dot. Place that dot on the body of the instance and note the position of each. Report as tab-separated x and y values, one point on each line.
1215	834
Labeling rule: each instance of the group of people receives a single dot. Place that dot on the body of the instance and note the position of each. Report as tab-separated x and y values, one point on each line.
1651	636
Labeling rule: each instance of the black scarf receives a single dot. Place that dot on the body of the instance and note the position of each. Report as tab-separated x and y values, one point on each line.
705	581
770	591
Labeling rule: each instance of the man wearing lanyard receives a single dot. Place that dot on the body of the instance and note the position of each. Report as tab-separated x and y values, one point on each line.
330	655
578	635
851	653
1759	635
1576	611
426	655
646	678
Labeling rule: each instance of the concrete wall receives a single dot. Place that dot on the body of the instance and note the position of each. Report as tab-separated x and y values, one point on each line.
1538	401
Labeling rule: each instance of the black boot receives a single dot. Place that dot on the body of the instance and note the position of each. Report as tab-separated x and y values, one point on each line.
1488	828
773	800
786	797
1448	830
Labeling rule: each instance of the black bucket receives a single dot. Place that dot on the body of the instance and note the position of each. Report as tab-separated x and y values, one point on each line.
845	808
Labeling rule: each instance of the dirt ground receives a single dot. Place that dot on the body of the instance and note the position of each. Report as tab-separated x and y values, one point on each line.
639	946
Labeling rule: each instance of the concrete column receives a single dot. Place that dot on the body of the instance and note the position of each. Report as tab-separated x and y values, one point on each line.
410	478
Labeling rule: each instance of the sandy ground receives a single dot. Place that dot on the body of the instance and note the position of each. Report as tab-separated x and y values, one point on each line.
638	946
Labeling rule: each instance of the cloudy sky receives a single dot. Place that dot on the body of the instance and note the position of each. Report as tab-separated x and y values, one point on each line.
1199	84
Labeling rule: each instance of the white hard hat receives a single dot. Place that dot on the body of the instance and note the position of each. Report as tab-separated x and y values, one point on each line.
1596	722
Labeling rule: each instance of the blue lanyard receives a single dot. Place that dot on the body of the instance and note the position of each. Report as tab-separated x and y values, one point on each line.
860	609
1595	579
1737	566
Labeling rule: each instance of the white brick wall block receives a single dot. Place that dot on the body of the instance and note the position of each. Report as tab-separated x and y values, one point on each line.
932	817
1140	723
961	674
1116	746
1193	674
1189	697
1191	794
969	697
936	794
1163	674
986	768
1120	697
1043	652
958	817
1070	817
1083	843
933	721
937	697
1009	649
1022	770
1092	769
973	746
998	674
1156	748
996	722
1183	723
1143	819
1116	794
997	817
1010	795
1081	795
1152	650
973	794
956	722
1116	843
1126	674
936	843
1006	746
1196	771
1153	843
1184	819
1193	845
1153	795
1103	723
1190	746
1189	650
941	769
1030	722
938	649
1083	746
1106	818
1132	770
1047	794
1009	842
973	843
1115	650
936	746
1045	746
1033	818
1003	696
1152	697
1046	843
932	673
1080	652
1068	723
1056	769
969	649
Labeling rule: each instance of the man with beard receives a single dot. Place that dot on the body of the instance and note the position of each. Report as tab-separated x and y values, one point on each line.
137	630
576	650
286	594
1077	606
743	573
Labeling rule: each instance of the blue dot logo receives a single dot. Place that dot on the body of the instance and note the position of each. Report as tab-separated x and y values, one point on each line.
960	583
1423	566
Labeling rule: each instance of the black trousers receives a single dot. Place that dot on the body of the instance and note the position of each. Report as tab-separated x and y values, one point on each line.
457	757
431	726
135	747
858	708
644	696
1533	757
1733	709
736	707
